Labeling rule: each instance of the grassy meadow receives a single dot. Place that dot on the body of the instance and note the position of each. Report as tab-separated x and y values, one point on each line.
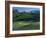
26	25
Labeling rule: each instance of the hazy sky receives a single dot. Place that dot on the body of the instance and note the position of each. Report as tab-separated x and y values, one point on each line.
26	9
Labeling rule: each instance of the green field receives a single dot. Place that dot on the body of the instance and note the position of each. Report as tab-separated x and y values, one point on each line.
26	21
23	25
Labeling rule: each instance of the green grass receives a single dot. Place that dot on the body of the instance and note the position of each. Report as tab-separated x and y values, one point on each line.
22	25
24	15
25	25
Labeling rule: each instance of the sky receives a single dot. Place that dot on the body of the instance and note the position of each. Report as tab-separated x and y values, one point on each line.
26	9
